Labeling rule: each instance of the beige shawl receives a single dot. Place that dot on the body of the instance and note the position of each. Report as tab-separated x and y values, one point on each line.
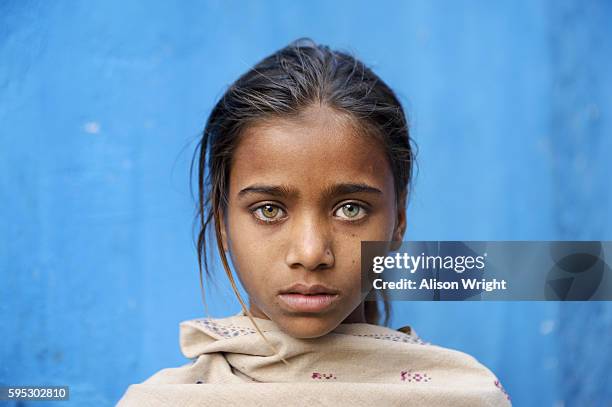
356	364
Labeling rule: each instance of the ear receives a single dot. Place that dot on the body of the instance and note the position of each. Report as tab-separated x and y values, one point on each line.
400	224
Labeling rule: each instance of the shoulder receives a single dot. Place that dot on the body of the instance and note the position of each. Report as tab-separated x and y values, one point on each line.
464	367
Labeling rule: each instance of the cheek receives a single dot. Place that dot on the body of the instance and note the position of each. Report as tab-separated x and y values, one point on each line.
348	260
241	233
379	227
250	252
247	256
384	223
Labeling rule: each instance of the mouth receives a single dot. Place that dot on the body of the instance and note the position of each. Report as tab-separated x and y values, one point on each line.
308	298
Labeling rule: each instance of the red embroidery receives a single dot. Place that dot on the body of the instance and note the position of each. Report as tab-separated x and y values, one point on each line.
323	376
410	376
499	386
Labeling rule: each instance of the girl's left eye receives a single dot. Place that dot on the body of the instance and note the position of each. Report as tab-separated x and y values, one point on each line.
351	211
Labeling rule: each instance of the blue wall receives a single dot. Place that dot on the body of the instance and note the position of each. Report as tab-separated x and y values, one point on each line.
101	104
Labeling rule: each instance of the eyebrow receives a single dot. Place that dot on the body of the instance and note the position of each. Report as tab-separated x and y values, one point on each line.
283	191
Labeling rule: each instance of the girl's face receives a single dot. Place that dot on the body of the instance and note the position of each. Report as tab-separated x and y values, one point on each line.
304	193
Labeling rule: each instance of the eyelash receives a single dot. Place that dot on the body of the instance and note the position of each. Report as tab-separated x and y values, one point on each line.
361	207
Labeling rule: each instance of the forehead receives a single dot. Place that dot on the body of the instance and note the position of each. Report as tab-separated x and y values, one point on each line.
312	151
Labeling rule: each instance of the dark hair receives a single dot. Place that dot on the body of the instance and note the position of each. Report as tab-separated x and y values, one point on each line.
284	84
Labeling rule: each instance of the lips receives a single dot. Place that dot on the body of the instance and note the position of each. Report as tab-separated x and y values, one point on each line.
308	298
305	289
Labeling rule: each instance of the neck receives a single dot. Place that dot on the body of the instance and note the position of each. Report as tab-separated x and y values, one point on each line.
357	316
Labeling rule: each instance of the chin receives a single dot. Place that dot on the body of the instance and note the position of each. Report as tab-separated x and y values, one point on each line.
304	327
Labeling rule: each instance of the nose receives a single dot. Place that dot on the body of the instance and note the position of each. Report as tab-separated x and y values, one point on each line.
310	245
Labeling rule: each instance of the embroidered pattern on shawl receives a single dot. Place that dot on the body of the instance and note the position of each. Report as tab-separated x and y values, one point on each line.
230	331
228	356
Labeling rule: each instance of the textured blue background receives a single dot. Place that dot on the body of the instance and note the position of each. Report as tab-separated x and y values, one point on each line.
101	103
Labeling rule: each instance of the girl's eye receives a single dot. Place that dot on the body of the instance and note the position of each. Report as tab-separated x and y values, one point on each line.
270	213
352	211
267	213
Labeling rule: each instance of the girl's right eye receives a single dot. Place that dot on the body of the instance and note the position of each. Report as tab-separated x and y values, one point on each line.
267	213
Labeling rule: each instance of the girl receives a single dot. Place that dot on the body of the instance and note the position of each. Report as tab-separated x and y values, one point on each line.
303	157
